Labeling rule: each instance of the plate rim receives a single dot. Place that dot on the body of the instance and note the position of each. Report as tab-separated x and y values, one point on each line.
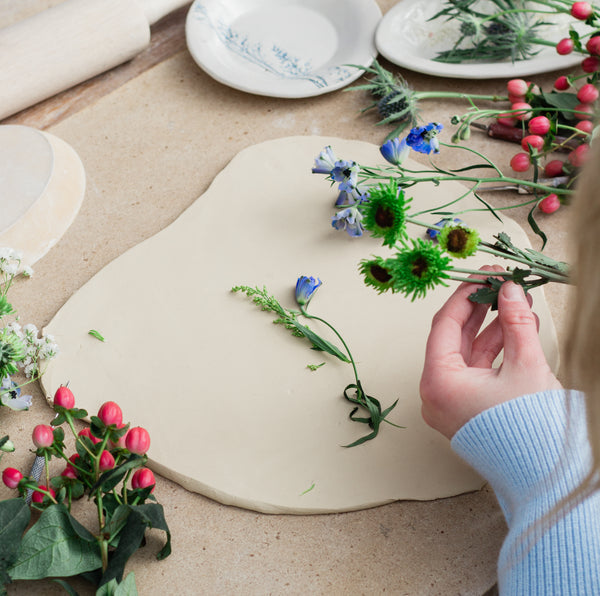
278	89
483	70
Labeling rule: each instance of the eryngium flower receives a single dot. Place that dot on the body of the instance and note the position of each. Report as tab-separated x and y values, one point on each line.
385	212
419	269
459	241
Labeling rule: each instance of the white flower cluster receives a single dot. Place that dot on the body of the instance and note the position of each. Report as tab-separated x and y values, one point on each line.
36	348
10	263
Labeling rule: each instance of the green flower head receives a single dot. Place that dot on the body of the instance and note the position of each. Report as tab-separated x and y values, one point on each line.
377	273
419	269
12	351
385	212
459	241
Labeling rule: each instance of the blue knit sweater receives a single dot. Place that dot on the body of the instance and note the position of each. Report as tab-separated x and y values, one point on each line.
534	451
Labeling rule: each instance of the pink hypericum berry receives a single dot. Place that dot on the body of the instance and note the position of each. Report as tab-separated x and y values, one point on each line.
581	10
38	497
565	46
110	413
562	83
69	472
517	87
520	162
43	435
515	98
553	168
11	477
524	110
535	141
107	461
590	64
121	443
86	432
593	45
585	126
539	125
588	93
64	397
143	478
584	111
549	204
138	440
578	156
506	120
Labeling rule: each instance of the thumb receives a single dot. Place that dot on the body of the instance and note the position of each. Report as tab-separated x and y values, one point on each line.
522	347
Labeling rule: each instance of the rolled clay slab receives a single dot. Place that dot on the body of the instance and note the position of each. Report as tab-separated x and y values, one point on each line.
233	411
42	184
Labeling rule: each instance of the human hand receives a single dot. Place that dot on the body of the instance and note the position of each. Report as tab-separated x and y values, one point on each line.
458	381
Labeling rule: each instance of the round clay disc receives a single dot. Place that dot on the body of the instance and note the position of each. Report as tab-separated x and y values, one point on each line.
42	184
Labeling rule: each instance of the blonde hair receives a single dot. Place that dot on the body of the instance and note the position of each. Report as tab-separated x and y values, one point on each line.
582	353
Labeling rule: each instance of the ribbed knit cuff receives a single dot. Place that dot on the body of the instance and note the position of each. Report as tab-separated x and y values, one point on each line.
532	447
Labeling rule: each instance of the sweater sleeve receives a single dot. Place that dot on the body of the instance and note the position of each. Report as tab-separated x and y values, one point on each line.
534	451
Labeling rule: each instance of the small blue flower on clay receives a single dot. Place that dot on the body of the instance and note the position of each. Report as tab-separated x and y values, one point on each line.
305	288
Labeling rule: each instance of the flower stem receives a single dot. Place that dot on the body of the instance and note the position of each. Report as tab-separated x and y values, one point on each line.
303	311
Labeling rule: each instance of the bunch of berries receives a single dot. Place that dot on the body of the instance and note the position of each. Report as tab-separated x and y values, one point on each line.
105	446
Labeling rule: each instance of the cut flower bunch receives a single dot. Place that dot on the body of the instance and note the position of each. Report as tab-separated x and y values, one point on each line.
374	200
107	467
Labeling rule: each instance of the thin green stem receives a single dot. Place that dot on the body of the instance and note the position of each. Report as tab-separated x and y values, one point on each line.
303	311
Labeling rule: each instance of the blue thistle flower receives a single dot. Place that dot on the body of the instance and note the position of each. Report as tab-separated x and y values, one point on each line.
305	288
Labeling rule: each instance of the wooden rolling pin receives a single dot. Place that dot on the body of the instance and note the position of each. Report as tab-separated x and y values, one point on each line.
70	43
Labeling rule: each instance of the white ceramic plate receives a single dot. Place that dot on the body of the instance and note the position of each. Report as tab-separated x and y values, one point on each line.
406	38
283	48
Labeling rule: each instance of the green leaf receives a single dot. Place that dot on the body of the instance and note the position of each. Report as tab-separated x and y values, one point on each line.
56	545
14	517
126	588
111	478
536	229
319	343
96	334
140	518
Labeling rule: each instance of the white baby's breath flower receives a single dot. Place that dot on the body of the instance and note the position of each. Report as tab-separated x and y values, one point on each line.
10	268
30	330
30	370
27	271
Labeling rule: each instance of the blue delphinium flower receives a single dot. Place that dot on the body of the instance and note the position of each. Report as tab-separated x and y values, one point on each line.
305	288
424	138
395	151
355	197
10	395
433	233
346	173
349	219
325	161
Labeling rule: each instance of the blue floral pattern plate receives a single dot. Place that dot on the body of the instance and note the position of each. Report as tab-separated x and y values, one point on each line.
283	48
406	38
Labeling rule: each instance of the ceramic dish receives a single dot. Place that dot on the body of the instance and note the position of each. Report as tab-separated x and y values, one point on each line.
406	38
283	48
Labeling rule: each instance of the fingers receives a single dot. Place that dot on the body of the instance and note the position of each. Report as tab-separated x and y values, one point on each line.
490	342
522	347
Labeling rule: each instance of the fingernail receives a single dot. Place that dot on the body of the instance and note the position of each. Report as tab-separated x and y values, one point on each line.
513	292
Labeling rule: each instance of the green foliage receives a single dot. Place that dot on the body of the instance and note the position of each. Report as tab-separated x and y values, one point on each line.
289	319
57	545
